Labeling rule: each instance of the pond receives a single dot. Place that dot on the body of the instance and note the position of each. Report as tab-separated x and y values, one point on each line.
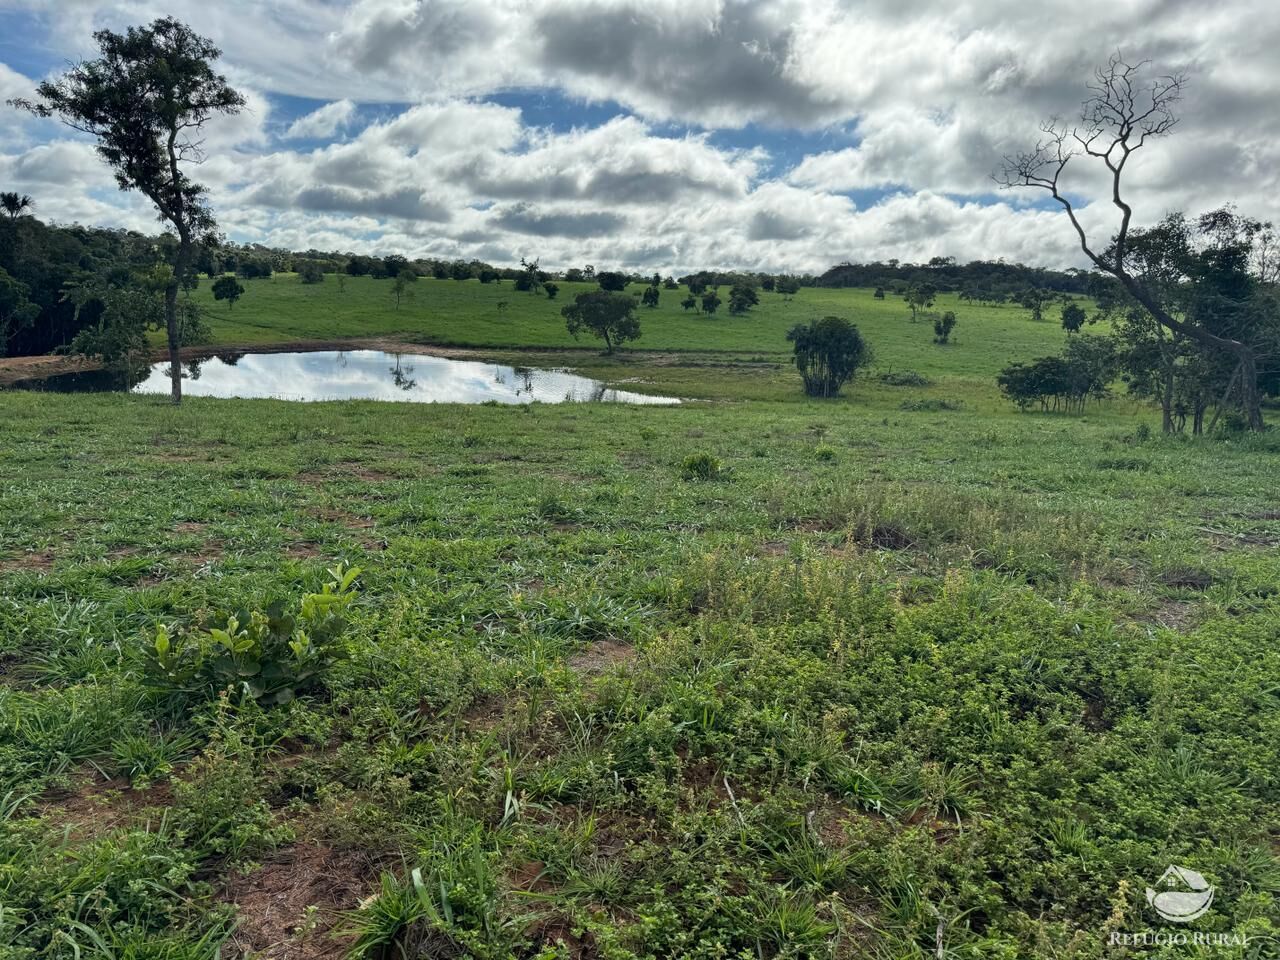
350	375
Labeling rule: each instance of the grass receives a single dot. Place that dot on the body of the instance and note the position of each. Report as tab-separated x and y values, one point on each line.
764	678
467	313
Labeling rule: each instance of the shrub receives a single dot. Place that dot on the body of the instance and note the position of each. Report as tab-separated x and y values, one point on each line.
828	352
310	272
269	655
825	452
904	378
942	327
931	404
701	466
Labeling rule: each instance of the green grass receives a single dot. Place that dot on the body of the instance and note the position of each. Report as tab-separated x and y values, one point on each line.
467	313
755	679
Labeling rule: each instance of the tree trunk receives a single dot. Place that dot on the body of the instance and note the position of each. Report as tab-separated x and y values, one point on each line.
1166	401
175	340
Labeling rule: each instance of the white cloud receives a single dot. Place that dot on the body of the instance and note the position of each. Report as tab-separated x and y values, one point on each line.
933	93
323	122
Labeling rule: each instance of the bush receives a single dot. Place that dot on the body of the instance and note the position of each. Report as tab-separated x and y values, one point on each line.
825	452
828	352
270	655
931	405
701	466
904	378
310	272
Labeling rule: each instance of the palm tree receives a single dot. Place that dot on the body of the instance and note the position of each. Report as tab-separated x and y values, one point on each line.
14	204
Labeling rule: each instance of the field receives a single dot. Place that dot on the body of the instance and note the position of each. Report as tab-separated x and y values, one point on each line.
750	677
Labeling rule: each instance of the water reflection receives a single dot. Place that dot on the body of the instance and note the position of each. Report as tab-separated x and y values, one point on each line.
357	374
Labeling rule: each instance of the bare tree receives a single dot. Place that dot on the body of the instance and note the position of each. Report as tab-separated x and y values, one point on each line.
1123	112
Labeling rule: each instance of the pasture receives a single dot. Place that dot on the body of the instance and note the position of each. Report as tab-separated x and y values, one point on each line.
756	676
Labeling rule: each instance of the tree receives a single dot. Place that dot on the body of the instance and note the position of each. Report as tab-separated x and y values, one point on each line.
1034	299
787	286
400	286
742	297
879	294
942	327
711	302
551	289
16	310
828	353
605	314
610	280
227	288
310	272
919	296
1073	317
145	100
650	296
690	302
1124	111
15	204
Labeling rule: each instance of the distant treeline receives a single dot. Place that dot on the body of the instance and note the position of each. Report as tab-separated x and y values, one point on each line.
980	278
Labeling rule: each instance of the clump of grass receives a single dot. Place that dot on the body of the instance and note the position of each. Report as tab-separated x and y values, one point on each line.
825	453
931	405
904	378
702	466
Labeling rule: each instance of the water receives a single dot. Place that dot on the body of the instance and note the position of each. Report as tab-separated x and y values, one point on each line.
354	374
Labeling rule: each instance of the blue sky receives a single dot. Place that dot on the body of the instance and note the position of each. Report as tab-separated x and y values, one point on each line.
778	135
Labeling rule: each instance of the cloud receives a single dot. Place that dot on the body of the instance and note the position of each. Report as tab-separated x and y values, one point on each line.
322	123
675	134
525	218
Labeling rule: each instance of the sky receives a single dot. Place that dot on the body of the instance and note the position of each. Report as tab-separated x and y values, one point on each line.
668	135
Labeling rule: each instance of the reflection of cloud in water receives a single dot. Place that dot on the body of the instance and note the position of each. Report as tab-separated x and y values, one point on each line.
371	375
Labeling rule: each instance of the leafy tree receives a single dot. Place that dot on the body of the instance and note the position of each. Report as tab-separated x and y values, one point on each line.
919	296
742	297
879	294
145	100
310	272
400	285
1083	370
787	286
551	288
489	275
767	284
1035	299
227	288
16	310
942	327
650	296
828	354
1073	317
15	205
611	280
604	314
690	302
711	302
697	285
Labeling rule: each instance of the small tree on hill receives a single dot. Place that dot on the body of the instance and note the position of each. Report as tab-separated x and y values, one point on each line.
15	204
611	280
227	288
550	288
690	302
1073	317
310	272
1035	299
742	297
828	353
604	314
400	285
711	302
919	296
942	327
650	296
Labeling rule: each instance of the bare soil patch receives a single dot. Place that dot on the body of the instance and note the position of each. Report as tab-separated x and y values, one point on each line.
289	907
600	656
